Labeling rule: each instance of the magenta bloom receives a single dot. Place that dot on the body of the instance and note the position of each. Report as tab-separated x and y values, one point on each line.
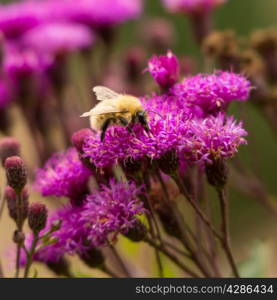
63	175
164	69
60	37
213	138
192	6
120	146
111	211
192	138
106	213
212	93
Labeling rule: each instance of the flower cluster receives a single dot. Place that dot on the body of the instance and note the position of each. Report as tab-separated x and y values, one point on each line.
105	214
120	146
63	175
212	93
213	138
188	118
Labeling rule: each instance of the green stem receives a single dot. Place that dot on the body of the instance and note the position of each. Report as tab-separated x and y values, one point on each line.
172	257
31	254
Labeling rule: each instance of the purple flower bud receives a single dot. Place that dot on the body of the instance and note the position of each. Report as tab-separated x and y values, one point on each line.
78	140
11	197
18	237
9	146
16	173
164	69
37	216
79	137
168	162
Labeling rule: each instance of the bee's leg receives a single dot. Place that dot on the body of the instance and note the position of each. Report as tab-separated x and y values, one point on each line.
143	121
126	124
104	128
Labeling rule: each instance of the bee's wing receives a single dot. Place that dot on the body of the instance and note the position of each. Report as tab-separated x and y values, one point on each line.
107	109
103	93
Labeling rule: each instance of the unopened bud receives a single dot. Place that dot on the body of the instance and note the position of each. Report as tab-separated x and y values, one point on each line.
37	216
131	167
9	146
60	267
217	173
78	138
93	258
164	69
16	205
168	162
16	173
137	233
170	225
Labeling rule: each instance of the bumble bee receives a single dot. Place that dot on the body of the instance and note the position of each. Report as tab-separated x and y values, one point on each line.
114	108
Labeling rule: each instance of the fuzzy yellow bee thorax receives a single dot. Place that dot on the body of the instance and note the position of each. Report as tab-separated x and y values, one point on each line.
129	103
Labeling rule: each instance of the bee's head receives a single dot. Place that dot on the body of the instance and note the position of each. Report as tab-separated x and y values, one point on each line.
141	117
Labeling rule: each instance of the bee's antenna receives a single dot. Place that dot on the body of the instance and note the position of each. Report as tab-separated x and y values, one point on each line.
148	110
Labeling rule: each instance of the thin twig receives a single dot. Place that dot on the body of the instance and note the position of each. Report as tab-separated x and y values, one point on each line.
153	227
172	257
225	229
2	205
108	271
210	238
120	261
19	223
184	228
31	255
203	217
